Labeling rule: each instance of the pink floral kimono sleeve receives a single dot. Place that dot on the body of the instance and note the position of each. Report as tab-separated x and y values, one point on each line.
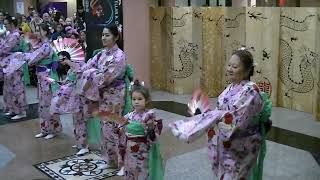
114	70
229	117
93	79
43	52
11	42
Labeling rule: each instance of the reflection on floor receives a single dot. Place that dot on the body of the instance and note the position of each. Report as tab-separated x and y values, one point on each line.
32	113
288	154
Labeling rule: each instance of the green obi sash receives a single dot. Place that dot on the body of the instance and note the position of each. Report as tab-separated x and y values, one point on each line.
72	77
155	159
128	77
94	130
136	128
95	52
262	118
127	106
24	47
53	72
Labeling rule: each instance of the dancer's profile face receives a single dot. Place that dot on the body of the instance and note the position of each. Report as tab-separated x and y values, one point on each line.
108	39
7	25
1	16
235	69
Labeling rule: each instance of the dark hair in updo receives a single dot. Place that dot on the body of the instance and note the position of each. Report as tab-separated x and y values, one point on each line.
113	30
137	87
46	28
63	68
246	59
12	20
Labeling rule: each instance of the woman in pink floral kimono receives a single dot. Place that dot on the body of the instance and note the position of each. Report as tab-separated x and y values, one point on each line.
13	88
66	100
101	84
45	59
233	140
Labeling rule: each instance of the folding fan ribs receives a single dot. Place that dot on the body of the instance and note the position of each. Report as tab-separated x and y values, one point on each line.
32	39
111	117
71	46
199	102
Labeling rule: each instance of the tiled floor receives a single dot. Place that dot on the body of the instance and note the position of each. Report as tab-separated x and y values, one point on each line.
293	137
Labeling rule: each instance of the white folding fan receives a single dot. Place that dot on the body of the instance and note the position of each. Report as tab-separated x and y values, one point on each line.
71	46
33	40
199	102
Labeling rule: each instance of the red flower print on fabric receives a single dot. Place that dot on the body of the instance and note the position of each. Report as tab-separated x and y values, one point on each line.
227	144
255	87
211	133
56	125
135	148
228	118
222	177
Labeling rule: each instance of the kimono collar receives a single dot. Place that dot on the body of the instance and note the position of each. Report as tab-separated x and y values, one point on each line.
46	41
241	83
140	112
112	50
15	31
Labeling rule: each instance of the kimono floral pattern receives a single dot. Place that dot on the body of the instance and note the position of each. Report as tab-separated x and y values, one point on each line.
137	149
233	143
101	81
49	123
66	100
13	86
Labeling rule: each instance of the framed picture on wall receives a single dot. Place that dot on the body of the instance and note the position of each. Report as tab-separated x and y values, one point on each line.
59	8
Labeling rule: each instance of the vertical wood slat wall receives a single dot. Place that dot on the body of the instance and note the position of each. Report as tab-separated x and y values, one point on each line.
190	47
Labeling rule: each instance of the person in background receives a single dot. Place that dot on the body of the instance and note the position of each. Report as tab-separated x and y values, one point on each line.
46	19
79	21
62	22
2	27
24	24
82	40
71	33
58	32
30	12
69	22
35	23
80	12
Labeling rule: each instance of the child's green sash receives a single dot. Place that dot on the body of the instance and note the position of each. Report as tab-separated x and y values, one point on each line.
155	159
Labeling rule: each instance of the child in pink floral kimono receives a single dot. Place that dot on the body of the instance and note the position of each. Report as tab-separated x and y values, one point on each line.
141	134
234	139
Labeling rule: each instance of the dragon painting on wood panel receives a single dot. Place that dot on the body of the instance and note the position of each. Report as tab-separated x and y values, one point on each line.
302	81
187	55
188	51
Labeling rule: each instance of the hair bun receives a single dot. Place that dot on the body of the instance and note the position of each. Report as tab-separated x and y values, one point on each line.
136	82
